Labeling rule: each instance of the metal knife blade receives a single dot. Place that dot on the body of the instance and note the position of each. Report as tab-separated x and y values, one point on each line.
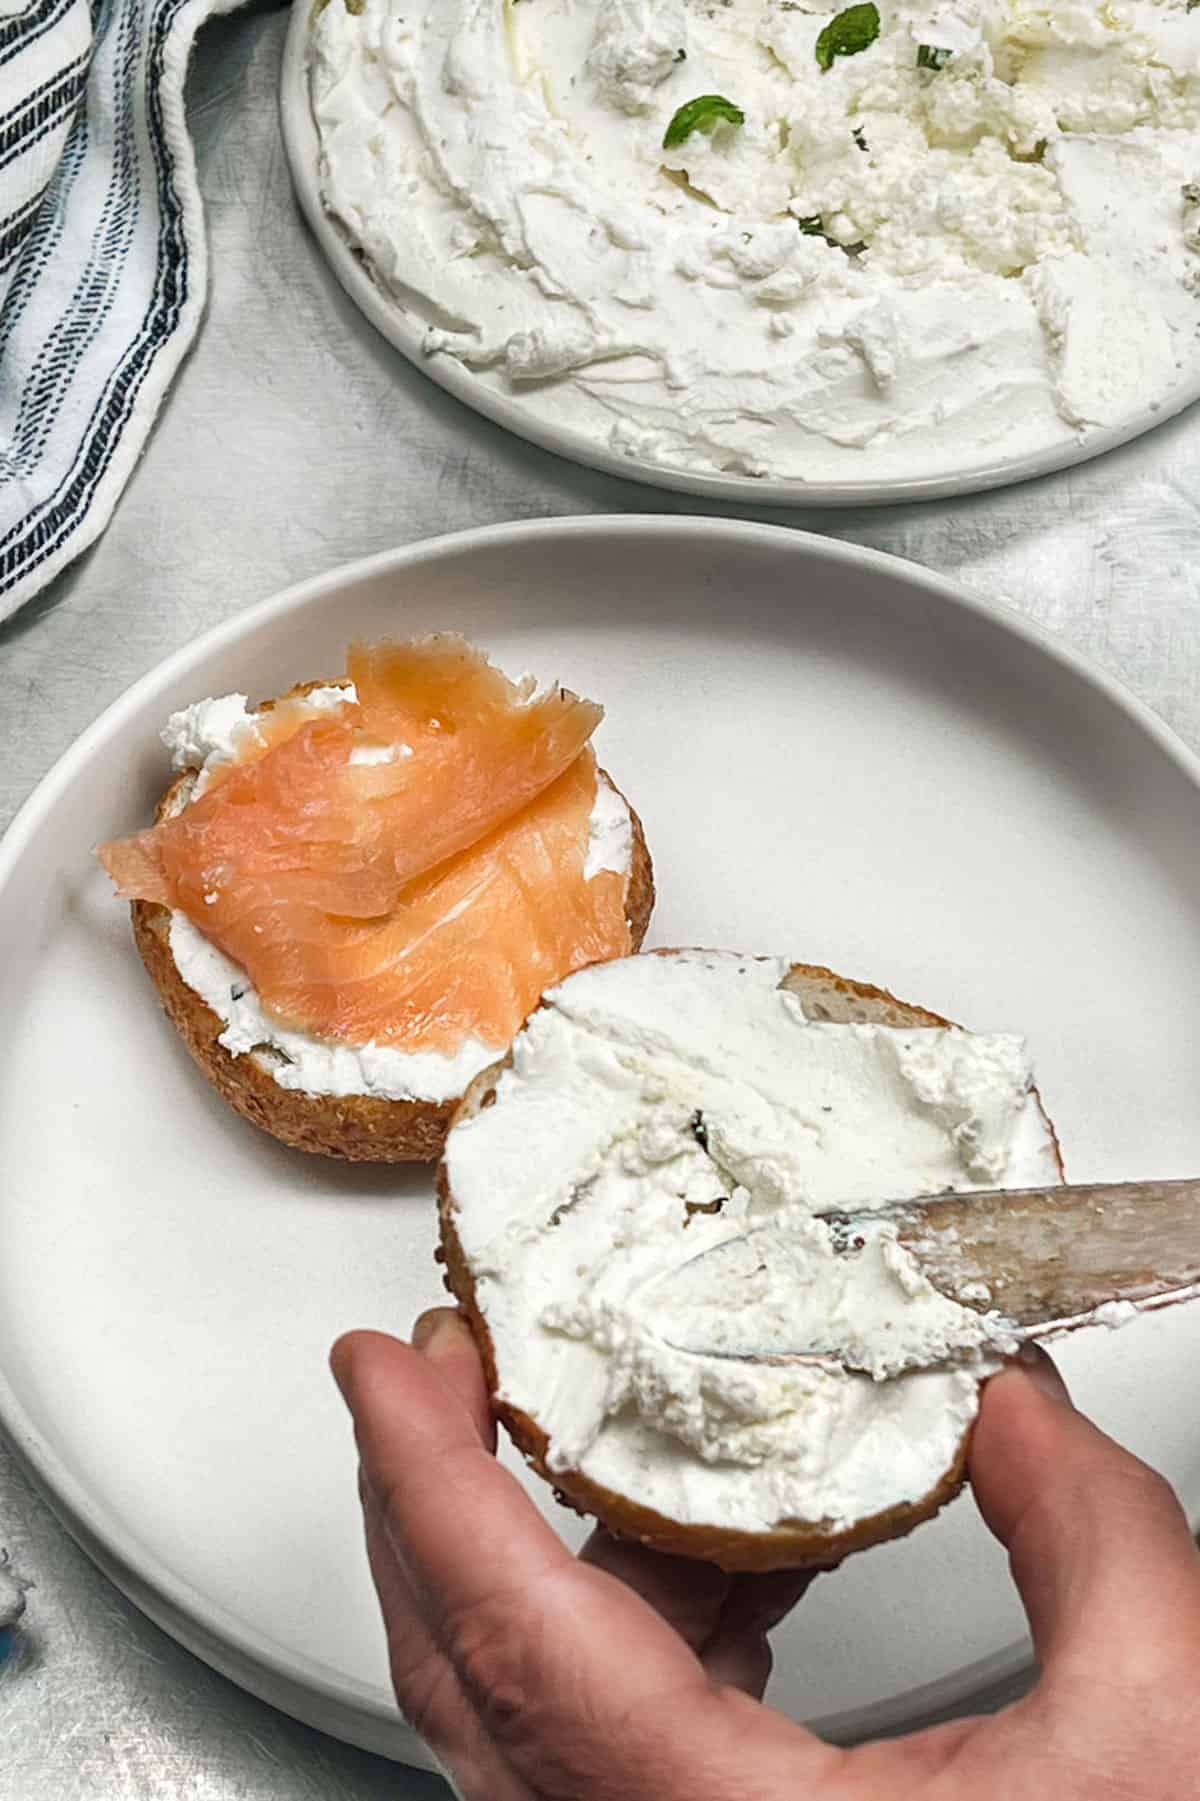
1041	1261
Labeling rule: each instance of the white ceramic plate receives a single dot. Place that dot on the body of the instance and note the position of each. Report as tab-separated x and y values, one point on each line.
406	331
837	757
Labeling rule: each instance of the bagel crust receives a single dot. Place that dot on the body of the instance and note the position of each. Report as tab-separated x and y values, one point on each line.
360	1128
801	1544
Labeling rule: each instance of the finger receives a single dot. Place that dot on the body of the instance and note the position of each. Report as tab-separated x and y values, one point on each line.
1099	1546
426	1686
758	1603
421	1677
725	1619
739	1652
463	1529
427	1689
581	1685
444	1337
688	1595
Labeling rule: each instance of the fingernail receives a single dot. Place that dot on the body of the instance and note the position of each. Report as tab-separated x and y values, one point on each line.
435	1330
1043	1373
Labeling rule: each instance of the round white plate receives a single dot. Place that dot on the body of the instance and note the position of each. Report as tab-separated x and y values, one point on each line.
407	331
837	757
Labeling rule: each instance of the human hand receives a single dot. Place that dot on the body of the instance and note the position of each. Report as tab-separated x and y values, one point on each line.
625	1675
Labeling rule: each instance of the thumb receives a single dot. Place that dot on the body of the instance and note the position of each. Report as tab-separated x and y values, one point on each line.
1099	1546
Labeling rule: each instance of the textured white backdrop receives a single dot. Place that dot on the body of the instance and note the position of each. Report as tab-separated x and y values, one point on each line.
296	439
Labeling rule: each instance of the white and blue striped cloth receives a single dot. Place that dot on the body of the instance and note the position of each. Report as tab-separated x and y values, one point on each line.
102	261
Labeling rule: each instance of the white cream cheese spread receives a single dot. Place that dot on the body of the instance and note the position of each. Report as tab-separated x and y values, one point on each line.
211	732
792	1287
974	239
661	1105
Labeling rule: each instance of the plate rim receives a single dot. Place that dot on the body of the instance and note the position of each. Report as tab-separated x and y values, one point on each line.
170	1599
301	147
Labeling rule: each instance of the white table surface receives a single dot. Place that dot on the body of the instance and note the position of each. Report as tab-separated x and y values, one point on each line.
296	439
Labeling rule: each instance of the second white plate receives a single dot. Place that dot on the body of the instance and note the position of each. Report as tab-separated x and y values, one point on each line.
534	419
837	757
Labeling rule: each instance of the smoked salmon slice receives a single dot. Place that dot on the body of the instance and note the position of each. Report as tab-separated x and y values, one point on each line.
408	869
472	944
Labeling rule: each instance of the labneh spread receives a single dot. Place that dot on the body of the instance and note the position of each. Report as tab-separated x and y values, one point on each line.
772	238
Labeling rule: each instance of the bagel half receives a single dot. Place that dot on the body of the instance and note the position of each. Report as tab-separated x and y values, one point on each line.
360	1128
824	996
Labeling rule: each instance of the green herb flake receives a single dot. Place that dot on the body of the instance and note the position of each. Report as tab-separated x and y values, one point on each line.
933	56
851	31
701	114
681	56
814	227
860	138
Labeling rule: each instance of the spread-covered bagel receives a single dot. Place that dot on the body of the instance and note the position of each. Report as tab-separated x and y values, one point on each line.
661	1104
353	896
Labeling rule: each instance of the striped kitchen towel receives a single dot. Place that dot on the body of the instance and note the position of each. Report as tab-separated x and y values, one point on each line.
102	261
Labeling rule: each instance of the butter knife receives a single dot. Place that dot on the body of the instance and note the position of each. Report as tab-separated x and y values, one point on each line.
1032	1263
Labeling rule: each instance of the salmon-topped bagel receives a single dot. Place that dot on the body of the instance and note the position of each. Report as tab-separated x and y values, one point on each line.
353	896
654	1112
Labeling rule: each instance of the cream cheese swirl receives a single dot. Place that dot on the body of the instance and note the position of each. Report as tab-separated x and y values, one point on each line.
887	271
